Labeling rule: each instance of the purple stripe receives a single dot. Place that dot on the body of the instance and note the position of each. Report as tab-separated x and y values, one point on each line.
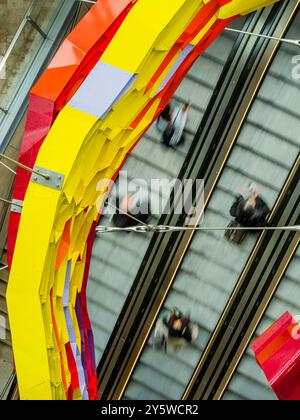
72	336
176	66
81	328
92	349
103	87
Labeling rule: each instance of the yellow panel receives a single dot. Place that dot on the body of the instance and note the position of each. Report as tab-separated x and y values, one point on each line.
27	323
148	17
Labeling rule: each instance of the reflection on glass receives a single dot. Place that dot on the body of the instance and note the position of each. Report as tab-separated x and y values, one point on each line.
11	15
264	153
27	45
117	257
249	381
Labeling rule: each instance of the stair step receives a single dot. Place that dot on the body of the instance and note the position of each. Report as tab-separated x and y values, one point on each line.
3	286
3	260
4	275
6	342
3	306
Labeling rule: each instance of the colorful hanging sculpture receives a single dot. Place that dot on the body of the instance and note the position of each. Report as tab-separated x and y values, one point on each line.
109	80
277	352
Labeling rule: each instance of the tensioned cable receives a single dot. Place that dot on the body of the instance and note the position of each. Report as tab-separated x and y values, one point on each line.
145	228
128	215
167	229
3	200
4	268
272	38
27	168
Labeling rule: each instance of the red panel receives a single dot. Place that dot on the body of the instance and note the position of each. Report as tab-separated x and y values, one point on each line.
38	124
73	371
277	352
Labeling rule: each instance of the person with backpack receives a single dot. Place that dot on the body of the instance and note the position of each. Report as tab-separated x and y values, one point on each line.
171	124
178	325
135	205
250	211
174	330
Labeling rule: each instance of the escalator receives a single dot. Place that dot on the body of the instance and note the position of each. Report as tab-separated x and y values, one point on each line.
117	256
264	153
167	164
212	145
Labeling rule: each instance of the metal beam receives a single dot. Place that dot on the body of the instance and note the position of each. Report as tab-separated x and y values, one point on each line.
36	26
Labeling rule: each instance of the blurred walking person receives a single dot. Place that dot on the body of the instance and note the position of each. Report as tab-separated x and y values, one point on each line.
171	124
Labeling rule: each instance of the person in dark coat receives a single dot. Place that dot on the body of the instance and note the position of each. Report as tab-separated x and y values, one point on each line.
129	206
252	211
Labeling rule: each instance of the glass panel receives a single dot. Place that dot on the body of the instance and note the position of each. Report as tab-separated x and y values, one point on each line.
249	381
45	12
117	256
264	153
27	46
12	13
